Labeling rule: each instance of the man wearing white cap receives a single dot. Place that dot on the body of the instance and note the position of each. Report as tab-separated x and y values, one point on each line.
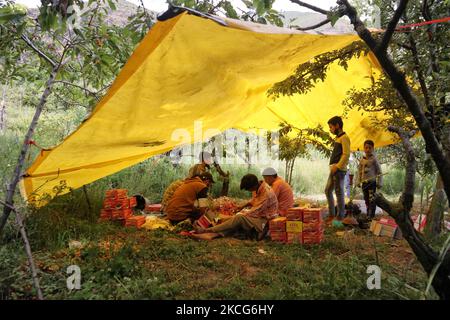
281	188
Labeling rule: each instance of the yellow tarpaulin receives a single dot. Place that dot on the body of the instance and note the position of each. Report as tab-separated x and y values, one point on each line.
189	69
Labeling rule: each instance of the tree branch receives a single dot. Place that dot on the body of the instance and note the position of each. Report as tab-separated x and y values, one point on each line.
391	26
26	242
23	233
25	145
310	6
407	198
324	22
77	86
37	50
358	25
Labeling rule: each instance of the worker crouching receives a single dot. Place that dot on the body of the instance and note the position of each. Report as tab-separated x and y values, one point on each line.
181	205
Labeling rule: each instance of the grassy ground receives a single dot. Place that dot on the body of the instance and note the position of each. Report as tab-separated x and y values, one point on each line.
125	263
120	263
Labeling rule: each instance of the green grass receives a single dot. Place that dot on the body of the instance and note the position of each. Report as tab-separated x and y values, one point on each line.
162	265
124	263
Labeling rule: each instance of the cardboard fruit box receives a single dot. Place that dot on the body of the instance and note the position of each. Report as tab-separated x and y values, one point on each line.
278	224
388	221
135	221
294	237
312	226
294	226
105	214
132	202
295	214
314	233
312	215
120	214
278	236
385	230
204	222
116	193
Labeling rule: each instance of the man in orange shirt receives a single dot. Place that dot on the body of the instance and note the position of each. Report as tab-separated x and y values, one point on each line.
181	205
281	188
263	207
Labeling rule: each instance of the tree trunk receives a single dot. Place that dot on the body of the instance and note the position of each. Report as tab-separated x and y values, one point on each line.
435	214
25	146
3	111
226	180
400	211
223	174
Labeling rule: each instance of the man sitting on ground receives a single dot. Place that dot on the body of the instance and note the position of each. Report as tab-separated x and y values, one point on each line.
263	207
181	206
281	188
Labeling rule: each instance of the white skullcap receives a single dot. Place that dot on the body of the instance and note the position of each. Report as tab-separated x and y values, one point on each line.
269	172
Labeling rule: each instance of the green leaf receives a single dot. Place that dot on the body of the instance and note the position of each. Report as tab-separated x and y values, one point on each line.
248	3
231	13
259	6
333	17
11	12
112	5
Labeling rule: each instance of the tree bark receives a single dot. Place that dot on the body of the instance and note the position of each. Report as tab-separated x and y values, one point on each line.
436	212
226	180
32	265
33	269
3	111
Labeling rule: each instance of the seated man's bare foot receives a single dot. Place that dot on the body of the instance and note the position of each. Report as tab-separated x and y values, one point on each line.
206	236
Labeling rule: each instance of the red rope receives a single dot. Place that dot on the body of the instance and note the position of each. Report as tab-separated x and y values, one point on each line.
424	23
32	142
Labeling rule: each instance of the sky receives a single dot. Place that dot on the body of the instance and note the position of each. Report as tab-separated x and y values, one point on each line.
161	5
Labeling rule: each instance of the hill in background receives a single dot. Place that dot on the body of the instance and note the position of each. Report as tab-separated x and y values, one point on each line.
126	9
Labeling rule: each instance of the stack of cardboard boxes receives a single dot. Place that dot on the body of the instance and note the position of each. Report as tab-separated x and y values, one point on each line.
136	221
118	206
301	225
385	227
312	225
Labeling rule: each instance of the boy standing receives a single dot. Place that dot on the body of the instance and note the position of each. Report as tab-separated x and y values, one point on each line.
369	177
338	168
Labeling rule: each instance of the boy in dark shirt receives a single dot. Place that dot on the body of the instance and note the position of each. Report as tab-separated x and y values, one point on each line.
338	168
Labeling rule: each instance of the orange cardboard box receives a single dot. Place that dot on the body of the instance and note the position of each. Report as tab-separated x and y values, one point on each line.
312	226
278	224
295	214
278	236
136	221
312	215
204	222
294	237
